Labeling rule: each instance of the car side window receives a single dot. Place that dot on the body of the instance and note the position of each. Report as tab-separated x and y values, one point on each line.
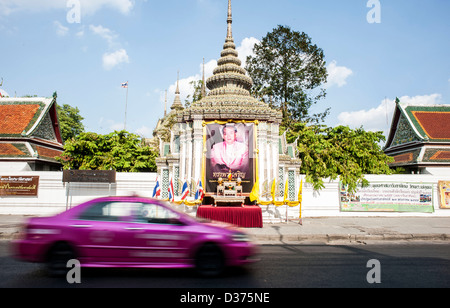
107	211
156	214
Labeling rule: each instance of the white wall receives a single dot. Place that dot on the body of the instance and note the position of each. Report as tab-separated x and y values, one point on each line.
53	195
326	201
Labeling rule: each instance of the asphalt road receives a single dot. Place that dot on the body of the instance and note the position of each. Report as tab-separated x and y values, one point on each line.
401	265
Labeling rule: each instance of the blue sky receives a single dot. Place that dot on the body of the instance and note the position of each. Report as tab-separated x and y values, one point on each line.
146	42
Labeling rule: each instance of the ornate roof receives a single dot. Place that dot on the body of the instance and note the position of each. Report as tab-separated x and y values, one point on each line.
419	135
229	96
29	129
419	123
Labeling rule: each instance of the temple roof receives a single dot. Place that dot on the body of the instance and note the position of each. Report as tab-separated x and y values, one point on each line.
29	128
423	123
420	134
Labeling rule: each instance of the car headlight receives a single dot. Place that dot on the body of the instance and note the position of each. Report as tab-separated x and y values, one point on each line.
240	237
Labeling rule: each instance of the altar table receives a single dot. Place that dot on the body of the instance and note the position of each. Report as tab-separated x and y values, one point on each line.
245	217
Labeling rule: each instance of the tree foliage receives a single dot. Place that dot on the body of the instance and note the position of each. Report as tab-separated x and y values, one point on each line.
196	95
287	72
69	121
120	151
339	152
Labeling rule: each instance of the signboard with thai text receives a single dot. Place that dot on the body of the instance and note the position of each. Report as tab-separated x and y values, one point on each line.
388	197
19	185
89	176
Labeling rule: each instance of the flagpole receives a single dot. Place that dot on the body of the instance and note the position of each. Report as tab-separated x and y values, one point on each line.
126	107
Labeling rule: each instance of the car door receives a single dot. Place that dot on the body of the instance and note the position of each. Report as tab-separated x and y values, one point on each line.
101	234
159	239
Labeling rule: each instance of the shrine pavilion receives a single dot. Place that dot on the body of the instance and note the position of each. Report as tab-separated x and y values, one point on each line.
190	137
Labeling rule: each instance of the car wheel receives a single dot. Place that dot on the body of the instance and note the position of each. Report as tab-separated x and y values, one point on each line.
209	260
58	257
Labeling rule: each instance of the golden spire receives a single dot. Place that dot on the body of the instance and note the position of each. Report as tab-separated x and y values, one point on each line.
229	89
229	22
229	78
203	80
165	106
177	101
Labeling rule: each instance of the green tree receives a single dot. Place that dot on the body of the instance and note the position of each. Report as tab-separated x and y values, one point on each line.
196	96
339	152
120	151
287	71
69	121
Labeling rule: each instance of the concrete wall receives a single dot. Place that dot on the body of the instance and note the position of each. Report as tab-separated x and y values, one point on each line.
326	201
54	196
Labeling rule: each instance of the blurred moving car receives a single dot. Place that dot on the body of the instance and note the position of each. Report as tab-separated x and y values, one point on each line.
131	232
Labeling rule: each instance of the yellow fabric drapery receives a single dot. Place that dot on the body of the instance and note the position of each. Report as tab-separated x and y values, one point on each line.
285	197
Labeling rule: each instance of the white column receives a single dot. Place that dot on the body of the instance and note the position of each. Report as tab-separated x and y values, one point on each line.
198	146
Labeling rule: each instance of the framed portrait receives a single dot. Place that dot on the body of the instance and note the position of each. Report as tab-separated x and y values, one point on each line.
229	148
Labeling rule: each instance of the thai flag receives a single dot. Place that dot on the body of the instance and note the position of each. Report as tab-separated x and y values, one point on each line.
185	191
157	189
199	194
171	194
125	85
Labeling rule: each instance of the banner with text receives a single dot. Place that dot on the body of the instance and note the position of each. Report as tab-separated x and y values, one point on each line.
388	197
19	185
444	194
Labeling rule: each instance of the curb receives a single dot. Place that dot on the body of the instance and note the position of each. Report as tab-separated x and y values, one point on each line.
13	232
351	238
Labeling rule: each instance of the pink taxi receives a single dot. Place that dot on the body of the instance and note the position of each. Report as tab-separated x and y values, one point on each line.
132	232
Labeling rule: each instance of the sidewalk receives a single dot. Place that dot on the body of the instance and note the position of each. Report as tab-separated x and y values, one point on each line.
355	230
321	230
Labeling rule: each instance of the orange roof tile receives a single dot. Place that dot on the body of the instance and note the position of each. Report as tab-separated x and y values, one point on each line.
435	124
7	149
441	155
14	119
402	158
48	153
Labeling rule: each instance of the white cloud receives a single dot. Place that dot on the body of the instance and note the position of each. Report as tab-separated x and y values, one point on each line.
60	29
380	117
246	49
111	60
144	131
81	32
108	35
8	7
337	75
108	125
92	6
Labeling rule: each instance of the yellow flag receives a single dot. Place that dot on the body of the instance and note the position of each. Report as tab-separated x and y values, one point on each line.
300	192
300	199
254	195
272	191
286	191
